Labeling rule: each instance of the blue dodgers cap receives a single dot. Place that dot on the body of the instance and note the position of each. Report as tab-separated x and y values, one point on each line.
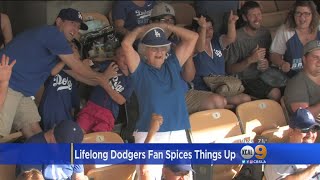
155	37
68	131
303	119
179	167
73	15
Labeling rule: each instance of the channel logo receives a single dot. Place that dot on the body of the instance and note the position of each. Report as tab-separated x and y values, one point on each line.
259	152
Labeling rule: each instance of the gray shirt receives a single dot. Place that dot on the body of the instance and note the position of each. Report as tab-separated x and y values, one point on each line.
243	47
301	89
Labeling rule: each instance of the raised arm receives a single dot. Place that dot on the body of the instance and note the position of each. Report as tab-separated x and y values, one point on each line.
6	28
132	56
232	32
5	73
188	41
201	42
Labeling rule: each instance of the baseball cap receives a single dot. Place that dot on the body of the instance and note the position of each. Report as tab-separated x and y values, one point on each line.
179	167
303	119
311	46
155	37
73	15
162	9
68	131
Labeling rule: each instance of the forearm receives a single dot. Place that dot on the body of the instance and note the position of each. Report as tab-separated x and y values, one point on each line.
55	70
188	70
305	174
130	37
315	110
117	97
121	30
276	59
185	34
201	42
81	78
85	71
3	93
231	35
239	67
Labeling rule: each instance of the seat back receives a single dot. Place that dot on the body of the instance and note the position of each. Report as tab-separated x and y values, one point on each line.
119	172
277	135
100	137
211	125
7	172
260	115
184	13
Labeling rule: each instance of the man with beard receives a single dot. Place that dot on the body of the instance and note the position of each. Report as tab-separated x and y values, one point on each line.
247	58
303	90
303	129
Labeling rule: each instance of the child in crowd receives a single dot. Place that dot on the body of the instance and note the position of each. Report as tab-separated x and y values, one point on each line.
103	105
60	96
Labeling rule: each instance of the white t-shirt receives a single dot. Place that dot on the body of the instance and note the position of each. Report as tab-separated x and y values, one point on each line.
275	172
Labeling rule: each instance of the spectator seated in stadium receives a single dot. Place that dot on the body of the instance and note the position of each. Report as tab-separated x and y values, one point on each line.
128	15
157	81
301	26
65	132
209	61
303	129
246	57
303	89
102	108
37	51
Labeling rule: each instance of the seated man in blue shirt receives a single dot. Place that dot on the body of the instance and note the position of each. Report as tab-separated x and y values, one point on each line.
65	132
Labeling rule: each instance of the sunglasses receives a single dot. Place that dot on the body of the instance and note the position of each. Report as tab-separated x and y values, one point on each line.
307	130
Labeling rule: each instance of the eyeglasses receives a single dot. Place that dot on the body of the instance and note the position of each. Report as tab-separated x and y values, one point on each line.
304	14
307	130
159	49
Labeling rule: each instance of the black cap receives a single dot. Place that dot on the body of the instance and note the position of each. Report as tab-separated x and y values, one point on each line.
73	15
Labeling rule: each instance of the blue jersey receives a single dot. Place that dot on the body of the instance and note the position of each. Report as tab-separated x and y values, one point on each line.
36	53
160	91
206	65
58	99
121	84
294	54
52	171
132	14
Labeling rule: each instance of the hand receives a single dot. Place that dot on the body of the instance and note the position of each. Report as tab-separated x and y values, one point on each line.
232	18
285	67
257	54
6	69
201	21
88	62
263	65
156	122
111	71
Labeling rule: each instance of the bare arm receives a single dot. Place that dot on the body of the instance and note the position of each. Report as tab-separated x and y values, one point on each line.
232	32
277	60
5	73
119	27
6	28
188	41
201	42
307	173
117	97
78	67
56	69
188	70
132	57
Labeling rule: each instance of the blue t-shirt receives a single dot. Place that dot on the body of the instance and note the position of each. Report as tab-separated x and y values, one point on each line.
36	53
160	91
132	14
294	54
122	84
52	171
58	99
205	65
